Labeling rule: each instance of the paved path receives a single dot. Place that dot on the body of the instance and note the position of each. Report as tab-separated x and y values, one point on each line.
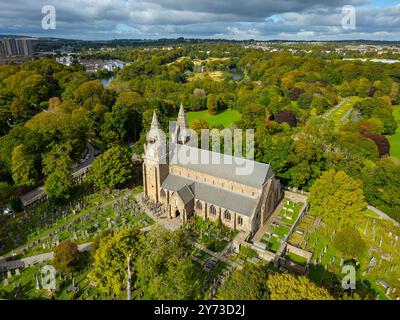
326	115
28	261
169	224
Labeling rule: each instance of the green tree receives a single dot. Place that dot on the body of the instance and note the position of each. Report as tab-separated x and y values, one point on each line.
212	104
112	169
109	268
349	243
250	283
6	191
23	167
58	184
290	287
164	269
66	257
338	199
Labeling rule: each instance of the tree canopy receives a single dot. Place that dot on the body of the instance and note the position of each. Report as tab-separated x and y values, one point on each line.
337	199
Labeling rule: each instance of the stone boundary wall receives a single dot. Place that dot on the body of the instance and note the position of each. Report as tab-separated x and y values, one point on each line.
300	252
383	215
296	197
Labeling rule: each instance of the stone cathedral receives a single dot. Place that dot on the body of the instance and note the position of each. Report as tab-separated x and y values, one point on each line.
213	191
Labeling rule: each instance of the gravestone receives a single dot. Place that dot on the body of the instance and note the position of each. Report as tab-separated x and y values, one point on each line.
9	275
17	273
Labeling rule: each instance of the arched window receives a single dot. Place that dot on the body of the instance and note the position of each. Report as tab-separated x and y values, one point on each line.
227	215
199	206
213	211
163	194
239	220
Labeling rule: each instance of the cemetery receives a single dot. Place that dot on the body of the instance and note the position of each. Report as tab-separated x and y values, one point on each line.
212	235
31	283
41	228
377	272
281	225
124	213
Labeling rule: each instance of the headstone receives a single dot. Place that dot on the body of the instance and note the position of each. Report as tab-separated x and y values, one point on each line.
37	282
17	273
9	275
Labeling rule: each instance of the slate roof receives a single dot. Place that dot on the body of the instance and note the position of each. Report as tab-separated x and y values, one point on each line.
210	194
220	165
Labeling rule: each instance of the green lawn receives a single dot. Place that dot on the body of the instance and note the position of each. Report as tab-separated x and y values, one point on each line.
394	140
225	118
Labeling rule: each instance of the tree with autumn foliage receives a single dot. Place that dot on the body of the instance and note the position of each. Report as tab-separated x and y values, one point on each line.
337	199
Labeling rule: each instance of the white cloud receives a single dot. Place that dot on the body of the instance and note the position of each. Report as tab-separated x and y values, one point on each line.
261	19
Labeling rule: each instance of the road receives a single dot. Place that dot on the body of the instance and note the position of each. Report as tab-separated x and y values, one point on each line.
40	193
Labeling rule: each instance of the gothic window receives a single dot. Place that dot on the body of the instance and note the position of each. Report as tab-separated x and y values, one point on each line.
213	211
163	194
239	220
199	205
227	215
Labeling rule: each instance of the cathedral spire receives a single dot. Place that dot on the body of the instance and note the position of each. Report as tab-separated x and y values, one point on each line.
154	123
182	123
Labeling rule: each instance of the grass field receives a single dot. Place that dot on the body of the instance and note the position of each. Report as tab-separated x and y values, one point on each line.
394	140
225	118
213	75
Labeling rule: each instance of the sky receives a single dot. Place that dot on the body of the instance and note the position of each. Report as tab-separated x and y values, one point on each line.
228	19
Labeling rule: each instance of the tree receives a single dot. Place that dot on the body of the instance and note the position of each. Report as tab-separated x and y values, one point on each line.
58	184
212	104
286	116
109	268
349	243
197	125
6	192
338	199
381	142
23	167
250	283
56	166
290	287
66	257
164	269
112	169
15	204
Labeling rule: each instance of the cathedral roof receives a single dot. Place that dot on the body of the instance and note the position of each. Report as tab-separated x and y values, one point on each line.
211	194
220	165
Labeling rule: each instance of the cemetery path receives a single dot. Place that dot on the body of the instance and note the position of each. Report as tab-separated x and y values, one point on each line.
26	245
217	255
28	261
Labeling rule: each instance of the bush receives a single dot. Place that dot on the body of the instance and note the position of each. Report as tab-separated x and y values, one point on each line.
66	257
